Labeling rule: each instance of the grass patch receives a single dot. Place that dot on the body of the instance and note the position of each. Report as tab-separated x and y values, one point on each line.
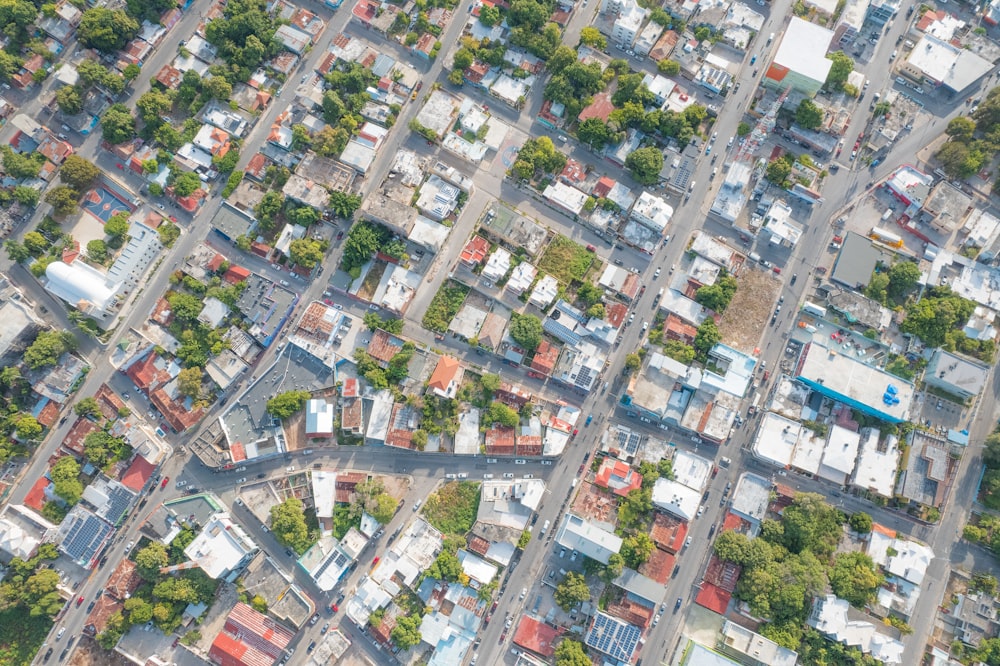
21	636
444	306
566	260
453	508
342	520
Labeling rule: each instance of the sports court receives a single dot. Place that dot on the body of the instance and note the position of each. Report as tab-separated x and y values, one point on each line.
103	202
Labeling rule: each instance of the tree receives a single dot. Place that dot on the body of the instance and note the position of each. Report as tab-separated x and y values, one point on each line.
304	216
635	509
27	427
97	250
445	567
87	407
384	509
151	559
219	88
154	106
811	524
854	578
69	100
526	331
489	15
285	404
48	347
961	128
66	483
636	549
633	362
26	195
343	204
991	451
139	610
707	337
717	296
185	307
306	252
117	226
959	160
35	243
62	199
778	171
595	133
669	67
645	164
269	207
106	30
189	382
592	37
743	129
572	590
904	276
502	414
406	633
808	115
860	522
17	252
571	653
186	183
118	124
842	67
288	524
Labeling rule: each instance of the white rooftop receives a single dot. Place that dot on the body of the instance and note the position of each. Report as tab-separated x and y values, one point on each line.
751	497
324	489
910	561
692	470
676	498
876	470
220	546
587	538
840	454
803	49
775	439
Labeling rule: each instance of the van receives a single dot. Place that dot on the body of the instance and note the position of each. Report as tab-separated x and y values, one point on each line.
754	257
770	38
545	527
691	186
887	214
573	485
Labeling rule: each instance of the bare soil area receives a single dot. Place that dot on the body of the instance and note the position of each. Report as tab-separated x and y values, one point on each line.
88	653
746	318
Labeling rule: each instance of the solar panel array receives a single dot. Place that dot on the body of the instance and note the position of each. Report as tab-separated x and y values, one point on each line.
629	441
119	500
584	378
613	637
85	537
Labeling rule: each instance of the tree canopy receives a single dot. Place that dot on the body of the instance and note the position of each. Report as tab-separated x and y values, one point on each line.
285	404
288	524
106	30
572	590
526	330
48	347
808	115
854	578
645	164
717	296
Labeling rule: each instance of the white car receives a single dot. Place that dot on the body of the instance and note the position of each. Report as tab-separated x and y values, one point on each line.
181	484
645	325
730	143
656	273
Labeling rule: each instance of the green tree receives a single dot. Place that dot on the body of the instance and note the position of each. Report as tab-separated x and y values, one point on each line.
645	164
189	382
406	633
27	427
154	106
65	475
778	171
633	362
285	404
854	578
717	296
151	559
269	207
186	183
636	549
743	129
811	524
62	199
808	115
571	653
106	30
185	307
961	128
572	590
502	414
904	276
48	347
595	133
489	15
97	250
26	195
35	243
959	160
288	524
707	337
860	522
87	407
445	567
117	226
118	124
344	205
69	100
139	610
219	88
668	67
842	67
306	252
592	37
17	252
526	331
679	351
635	509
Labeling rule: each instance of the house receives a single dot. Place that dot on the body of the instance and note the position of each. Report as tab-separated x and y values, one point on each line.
319	418
618	477
587	538
447	377
956	374
249	638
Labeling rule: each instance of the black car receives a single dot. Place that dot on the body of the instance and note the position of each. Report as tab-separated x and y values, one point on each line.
312	646
677	606
63	654
48	654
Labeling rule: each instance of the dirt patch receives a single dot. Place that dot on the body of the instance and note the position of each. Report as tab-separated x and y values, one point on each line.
397	486
746	318
88	653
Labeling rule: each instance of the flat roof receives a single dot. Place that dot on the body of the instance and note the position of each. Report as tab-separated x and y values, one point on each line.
840	454
586	537
691	470
954	67
775	439
876	469
676	498
803	49
751	497
843	378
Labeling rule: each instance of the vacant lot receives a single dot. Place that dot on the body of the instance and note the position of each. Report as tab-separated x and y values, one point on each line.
566	260
444	306
748	314
453	508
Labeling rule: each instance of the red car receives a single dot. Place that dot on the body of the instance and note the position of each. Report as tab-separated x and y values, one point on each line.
334	607
375	561
164	483
79	601
591	248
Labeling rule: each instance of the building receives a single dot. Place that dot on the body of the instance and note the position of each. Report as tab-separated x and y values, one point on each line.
940	63
652	211
854	383
881	12
956	374
249	638
626	27
82	535
614	637
832	618
222	548
676	498
876	465
800	61
588	539
82	287
319	418
749	647
618	477
447	377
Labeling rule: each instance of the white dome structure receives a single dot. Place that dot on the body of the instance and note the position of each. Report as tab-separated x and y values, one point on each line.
78	283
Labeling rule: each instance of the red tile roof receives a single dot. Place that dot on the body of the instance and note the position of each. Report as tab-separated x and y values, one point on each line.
169	77
500	441
145	375
722	573
444	374
734	522
668	532
675	328
162	314
48	414
601	107
475	251
615	313
603	186
383	346
249	638
545	358
77	433
618	477
365	10
529	445
236	274
349	389
138	473
659	566
713	598
36	496
173	411
124	581
257	166
535	635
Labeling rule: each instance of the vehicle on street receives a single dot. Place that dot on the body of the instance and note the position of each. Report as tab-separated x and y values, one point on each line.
677	606
60	633
656	273
590	417
163	484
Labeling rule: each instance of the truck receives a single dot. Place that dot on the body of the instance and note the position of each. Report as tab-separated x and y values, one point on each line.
886	237
813	309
